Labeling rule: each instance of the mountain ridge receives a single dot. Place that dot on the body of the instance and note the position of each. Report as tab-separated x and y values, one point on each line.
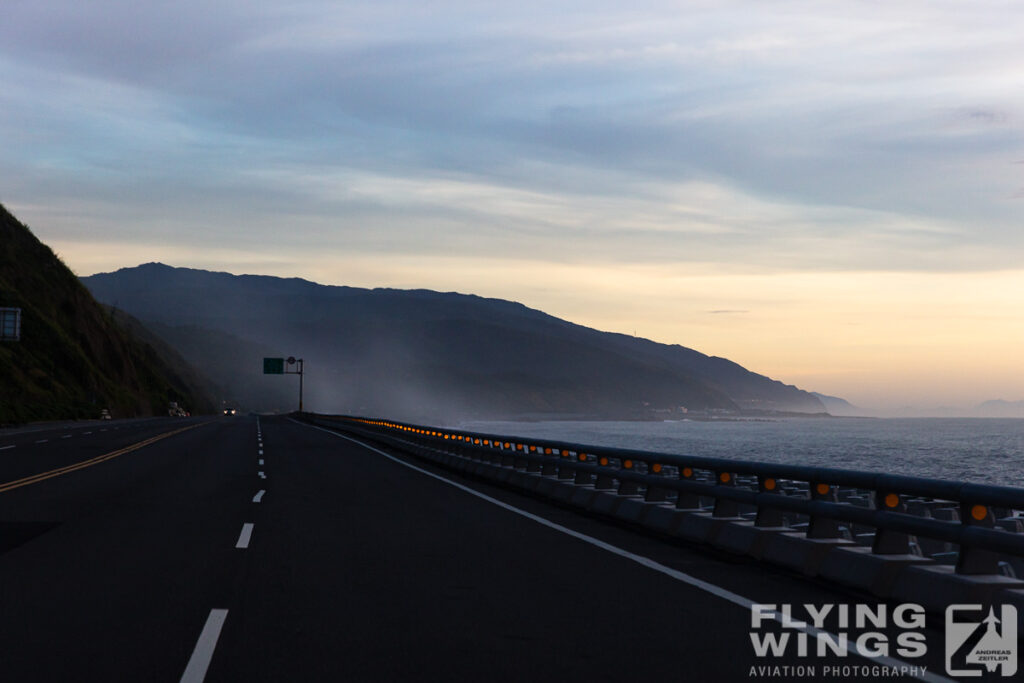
424	353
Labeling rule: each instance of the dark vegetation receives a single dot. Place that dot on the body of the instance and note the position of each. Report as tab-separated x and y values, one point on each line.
425	355
75	356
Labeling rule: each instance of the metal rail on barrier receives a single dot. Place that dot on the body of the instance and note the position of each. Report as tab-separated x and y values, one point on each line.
980	522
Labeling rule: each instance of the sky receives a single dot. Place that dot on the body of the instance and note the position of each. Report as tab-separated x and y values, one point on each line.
830	194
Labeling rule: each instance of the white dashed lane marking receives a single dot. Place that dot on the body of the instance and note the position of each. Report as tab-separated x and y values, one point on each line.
259	496
245	536
199	662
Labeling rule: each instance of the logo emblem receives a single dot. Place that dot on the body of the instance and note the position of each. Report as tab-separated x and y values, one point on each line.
980	639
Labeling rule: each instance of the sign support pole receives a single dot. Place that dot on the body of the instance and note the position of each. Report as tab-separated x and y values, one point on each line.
276	366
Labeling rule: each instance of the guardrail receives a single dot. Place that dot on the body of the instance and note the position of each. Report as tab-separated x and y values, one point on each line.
895	515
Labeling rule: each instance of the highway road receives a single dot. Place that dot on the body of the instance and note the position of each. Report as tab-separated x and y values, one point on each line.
262	549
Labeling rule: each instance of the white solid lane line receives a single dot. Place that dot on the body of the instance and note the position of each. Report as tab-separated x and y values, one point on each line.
700	584
199	662
4	448
259	496
42	441
84	433
66	436
243	538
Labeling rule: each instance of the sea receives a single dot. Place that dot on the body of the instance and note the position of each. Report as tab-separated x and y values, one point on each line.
984	451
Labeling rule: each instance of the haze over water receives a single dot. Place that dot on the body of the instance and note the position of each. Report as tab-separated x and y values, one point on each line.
985	451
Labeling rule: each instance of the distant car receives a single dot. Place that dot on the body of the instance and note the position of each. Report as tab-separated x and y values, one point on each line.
230	411
105	414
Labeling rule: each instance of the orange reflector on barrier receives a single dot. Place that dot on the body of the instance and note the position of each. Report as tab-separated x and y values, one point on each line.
823	489
603	461
979	512
628	464
687	472
656	467
892	500
582	457
769	484
547	451
724	477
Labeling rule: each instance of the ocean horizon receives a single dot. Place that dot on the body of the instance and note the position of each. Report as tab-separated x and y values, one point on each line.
979	450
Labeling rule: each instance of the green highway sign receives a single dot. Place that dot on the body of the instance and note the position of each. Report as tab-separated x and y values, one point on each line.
273	366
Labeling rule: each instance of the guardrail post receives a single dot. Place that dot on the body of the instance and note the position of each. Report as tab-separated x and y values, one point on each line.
508	455
687	501
768	516
603	481
550	466
583	478
822	527
531	465
626	487
887	541
520	462
976	560
565	468
655	494
723	506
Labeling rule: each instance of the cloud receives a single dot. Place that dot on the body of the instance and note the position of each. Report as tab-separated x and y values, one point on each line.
776	136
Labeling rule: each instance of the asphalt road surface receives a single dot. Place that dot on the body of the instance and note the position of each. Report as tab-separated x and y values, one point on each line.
262	549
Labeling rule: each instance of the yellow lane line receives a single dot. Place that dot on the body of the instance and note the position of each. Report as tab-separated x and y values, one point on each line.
43	476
